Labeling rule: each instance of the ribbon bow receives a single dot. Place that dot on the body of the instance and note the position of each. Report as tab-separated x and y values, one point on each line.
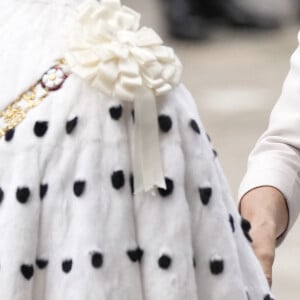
108	48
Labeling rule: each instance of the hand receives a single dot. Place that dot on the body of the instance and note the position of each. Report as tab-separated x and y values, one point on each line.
266	209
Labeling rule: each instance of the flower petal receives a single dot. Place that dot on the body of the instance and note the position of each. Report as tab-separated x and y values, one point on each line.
119	51
103	86
85	10
164	54
129	67
122	93
153	70
129	19
113	4
59	73
147	37
163	89
143	55
108	71
131	82
108	49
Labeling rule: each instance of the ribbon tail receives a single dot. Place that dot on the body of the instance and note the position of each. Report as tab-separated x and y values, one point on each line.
148	171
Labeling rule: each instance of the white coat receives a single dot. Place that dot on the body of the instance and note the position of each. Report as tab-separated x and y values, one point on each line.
71	226
275	160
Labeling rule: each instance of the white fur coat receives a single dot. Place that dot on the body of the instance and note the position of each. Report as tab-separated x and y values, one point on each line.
70	225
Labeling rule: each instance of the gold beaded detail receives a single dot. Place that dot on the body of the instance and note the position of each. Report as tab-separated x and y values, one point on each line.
15	113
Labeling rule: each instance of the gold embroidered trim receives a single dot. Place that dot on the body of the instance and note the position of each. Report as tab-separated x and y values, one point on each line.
16	112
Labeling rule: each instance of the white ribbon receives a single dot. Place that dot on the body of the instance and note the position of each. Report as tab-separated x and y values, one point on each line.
107	47
147	163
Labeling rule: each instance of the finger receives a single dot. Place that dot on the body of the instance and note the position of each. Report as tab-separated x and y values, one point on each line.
264	247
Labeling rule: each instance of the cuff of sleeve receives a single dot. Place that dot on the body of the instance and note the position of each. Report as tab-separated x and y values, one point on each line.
286	182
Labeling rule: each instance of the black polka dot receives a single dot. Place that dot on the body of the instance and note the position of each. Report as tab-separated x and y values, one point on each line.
1	195
135	255
23	194
268	297
165	262
194	125
79	188
215	153
67	265
231	221
9	135
43	190
131	181
116	112
41	263
118	179
165	123
27	271
71	125
133	115
205	195
246	226
194	262
216	266
40	128
97	260
247	295
169	188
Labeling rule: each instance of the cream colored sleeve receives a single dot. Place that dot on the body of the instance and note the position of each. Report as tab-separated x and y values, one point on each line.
275	160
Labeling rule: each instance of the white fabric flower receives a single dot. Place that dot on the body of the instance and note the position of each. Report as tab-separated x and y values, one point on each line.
53	79
107	47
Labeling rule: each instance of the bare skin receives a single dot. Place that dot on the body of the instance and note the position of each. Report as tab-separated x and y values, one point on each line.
266	209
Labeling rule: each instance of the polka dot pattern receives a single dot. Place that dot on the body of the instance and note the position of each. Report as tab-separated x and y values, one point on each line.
1	195
40	128
194	125
135	255
165	123
169	188
42	263
215	153
231	221
165	262
79	188
131	181
27	271
67	265
205	195
99	202
97	260
23	194
116	112
43	190
9	135
71	125
216	266
246	227
247	295
118	179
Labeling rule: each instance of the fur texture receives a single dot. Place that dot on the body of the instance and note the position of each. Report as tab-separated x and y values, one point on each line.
70	224
71	228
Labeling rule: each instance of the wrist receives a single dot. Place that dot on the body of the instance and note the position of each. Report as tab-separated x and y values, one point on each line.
266	208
